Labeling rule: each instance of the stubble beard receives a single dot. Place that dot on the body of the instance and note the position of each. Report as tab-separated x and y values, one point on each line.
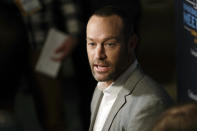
113	74
109	76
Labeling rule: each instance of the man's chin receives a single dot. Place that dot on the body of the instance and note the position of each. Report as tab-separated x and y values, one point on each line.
101	78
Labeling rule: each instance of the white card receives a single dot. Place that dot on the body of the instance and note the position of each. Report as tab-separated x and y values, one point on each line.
45	63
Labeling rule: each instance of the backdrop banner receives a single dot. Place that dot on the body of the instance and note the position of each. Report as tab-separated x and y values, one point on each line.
186	30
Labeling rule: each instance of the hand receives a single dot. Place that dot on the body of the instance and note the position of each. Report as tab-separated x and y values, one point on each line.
65	49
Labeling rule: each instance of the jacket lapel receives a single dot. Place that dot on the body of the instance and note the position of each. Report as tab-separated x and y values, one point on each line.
121	99
96	100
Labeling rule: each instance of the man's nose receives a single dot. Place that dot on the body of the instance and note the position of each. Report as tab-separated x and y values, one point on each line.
100	52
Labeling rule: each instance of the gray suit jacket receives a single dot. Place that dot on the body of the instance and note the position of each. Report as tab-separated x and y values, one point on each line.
137	106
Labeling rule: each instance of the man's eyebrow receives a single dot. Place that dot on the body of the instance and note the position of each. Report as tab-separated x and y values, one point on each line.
89	39
106	39
111	38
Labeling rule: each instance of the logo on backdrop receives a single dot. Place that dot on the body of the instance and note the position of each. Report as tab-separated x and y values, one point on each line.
192	95
190	22
193	3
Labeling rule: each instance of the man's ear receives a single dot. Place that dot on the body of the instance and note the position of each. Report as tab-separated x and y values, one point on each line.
132	43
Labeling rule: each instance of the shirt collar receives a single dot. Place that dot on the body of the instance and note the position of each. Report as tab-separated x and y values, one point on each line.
117	85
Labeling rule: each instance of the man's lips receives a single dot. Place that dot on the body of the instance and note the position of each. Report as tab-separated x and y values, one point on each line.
101	68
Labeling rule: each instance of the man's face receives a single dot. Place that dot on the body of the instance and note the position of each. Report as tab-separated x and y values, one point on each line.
106	47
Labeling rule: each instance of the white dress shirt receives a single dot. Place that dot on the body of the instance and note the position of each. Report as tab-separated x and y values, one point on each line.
109	97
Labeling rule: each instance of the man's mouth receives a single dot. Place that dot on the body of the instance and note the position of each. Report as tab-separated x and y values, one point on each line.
101	68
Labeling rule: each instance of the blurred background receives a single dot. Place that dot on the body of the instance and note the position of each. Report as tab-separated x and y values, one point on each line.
31	101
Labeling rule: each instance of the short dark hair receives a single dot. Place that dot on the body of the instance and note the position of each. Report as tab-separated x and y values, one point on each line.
128	22
178	118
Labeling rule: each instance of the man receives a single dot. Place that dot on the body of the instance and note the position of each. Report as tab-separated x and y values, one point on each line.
125	99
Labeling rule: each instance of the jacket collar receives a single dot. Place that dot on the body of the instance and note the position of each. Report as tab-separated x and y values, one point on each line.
95	106
121	99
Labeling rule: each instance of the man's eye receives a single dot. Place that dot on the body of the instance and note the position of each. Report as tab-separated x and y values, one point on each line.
91	44
110	44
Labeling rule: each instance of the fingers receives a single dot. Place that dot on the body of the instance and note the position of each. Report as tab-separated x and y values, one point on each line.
60	57
64	50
